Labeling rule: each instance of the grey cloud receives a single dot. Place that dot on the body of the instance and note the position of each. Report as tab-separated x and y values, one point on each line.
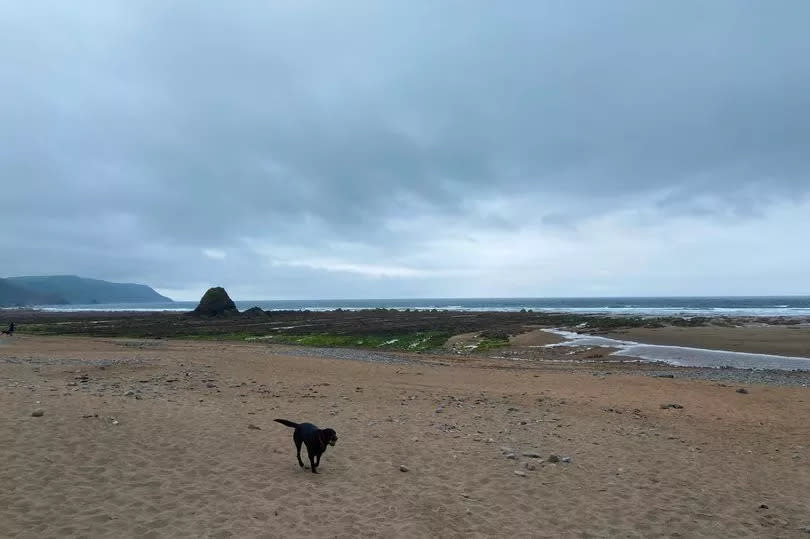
197	125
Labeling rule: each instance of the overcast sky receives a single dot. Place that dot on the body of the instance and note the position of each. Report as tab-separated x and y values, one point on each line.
369	149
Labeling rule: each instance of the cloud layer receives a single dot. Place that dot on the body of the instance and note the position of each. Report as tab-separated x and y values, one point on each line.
364	149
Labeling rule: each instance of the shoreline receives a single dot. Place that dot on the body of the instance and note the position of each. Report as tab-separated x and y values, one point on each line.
676	342
603	363
782	306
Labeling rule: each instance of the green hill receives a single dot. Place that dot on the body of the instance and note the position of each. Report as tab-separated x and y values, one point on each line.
13	295
61	289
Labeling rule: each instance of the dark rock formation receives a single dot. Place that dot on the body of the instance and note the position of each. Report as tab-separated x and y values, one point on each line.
216	302
255	312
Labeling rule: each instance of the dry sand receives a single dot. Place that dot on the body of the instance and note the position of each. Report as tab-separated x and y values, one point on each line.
177	457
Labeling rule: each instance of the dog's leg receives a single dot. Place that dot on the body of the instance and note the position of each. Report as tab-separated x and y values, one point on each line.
312	460
297	440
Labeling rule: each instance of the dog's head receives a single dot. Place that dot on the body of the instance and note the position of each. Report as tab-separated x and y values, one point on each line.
328	436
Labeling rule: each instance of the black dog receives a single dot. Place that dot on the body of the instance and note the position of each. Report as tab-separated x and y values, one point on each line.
314	438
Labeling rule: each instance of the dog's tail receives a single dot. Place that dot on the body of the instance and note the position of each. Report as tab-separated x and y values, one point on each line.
285	422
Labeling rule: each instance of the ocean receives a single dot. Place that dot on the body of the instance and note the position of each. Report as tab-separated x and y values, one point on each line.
755	306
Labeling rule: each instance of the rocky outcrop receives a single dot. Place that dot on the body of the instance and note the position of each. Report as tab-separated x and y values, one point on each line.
255	312
216	302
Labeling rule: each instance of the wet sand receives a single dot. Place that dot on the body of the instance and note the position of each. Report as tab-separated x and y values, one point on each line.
756	339
158	438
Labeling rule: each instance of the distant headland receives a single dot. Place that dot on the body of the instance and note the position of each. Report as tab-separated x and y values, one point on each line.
70	289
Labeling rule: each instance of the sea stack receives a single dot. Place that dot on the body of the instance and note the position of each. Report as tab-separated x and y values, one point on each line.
216	302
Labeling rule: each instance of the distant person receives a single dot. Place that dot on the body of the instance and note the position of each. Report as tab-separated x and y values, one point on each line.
10	330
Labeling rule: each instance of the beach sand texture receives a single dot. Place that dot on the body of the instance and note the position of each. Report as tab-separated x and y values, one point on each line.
156	439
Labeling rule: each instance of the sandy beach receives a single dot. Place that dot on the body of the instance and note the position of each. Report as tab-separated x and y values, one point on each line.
174	438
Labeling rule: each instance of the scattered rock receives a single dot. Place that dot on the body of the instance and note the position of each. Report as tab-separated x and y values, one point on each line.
807	529
566	459
129	393
255	312
211	385
254	427
554	458
671	405
743	391
403	468
510	456
114	421
520	473
39	412
531	466
665	376
531	454
763	506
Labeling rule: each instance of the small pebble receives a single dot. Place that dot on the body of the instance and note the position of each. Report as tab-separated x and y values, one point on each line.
531	466
763	506
742	390
510	456
403	468
39	412
520	473
531	454
553	458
